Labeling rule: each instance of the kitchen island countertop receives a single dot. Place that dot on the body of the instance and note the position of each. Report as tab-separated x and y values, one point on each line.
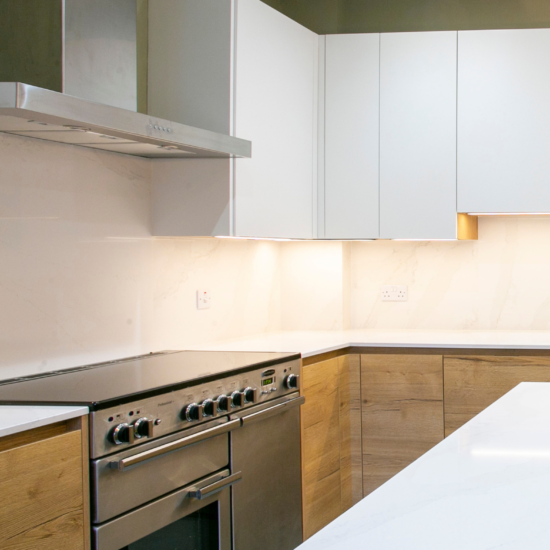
485	486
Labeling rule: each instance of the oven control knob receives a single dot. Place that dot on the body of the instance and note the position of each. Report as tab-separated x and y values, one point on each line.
209	408
193	412
292	381
123	433
143	427
250	395
237	399
224	404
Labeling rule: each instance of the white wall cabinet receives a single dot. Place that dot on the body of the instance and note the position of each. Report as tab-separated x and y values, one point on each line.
259	81
504	121
418	135
349	188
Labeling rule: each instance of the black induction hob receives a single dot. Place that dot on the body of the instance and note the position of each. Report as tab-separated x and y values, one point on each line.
107	384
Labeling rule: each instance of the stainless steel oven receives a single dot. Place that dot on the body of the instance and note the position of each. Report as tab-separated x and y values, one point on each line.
170	494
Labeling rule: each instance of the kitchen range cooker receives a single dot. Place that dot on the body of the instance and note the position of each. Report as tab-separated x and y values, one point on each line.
188	450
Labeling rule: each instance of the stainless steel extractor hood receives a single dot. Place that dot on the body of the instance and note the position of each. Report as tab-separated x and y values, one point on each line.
43	114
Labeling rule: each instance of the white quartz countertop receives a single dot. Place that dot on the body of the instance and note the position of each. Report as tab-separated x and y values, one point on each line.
19	418
310	343
486	486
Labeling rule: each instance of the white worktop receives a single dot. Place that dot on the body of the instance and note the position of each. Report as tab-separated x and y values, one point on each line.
486	486
19	418
310	343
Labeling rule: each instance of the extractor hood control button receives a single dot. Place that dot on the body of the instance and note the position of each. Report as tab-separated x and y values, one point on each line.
209	408
237	399
143	427
292	381
224	404
123	433
193	412
250	395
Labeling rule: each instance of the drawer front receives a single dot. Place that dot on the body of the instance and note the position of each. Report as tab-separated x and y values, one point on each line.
114	492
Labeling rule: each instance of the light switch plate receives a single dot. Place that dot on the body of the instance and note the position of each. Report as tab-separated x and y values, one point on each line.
394	293
203	299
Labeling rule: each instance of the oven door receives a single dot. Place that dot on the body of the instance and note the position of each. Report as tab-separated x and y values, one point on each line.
196	517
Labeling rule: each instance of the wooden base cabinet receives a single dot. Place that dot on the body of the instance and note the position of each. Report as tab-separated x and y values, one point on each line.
44	488
402	412
331	440
472	383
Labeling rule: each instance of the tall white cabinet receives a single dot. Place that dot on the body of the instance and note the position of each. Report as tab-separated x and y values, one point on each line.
418	80
349	185
504	121
242	67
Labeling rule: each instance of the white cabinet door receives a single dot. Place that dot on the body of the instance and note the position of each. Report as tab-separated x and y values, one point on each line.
351	134
418	135
275	108
504	121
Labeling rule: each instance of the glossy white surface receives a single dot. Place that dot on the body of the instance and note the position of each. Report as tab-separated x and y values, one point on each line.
310	343
503	121
351	134
484	487
15	419
275	107
418	135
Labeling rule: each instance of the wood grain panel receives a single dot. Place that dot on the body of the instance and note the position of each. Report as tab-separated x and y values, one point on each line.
402	412
34	435
351	465
62	533
472	383
42	482
320	445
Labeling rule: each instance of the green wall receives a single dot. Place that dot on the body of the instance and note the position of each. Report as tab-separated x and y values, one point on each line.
356	16
30	42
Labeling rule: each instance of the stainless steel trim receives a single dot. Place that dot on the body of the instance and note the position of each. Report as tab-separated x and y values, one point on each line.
157	138
201	493
139	458
272	411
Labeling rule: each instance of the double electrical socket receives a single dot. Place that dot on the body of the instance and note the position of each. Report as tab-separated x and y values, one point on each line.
394	293
203	299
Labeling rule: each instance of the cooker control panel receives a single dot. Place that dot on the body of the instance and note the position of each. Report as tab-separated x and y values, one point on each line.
137	422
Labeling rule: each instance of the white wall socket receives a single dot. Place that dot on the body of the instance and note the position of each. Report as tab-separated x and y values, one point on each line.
394	293
203	299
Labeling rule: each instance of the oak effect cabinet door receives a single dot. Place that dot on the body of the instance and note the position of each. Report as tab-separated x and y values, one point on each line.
473	383
351	136
331	440
504	121
402	412
418	135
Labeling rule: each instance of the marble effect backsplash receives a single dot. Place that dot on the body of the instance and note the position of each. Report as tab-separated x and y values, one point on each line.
82	280
499	282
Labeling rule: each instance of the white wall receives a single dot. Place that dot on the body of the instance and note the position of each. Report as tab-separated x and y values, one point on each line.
81	280
498	282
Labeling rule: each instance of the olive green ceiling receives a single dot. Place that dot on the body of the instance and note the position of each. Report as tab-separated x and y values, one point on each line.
354	16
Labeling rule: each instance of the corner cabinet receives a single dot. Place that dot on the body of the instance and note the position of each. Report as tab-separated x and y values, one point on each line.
388	137
503	121
244	69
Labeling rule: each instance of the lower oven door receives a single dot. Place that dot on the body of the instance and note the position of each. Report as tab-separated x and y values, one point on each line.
196	517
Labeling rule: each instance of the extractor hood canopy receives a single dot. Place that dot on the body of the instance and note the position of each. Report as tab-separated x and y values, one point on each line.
43	114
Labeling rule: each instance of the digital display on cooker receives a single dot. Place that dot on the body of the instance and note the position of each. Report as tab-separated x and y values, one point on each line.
267	381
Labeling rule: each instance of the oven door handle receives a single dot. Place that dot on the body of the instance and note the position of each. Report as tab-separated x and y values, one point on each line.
134	460
277	409
205	492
